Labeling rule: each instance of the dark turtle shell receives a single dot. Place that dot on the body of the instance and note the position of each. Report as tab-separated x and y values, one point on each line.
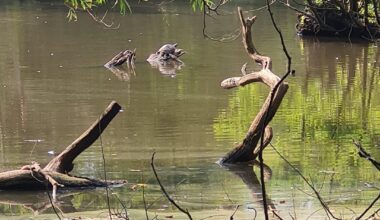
168	48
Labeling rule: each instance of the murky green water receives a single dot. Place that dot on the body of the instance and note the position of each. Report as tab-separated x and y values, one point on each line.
53	86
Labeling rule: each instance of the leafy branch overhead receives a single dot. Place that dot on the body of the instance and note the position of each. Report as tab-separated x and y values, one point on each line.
88	5
123	5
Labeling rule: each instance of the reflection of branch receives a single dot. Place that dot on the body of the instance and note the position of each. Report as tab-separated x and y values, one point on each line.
38	202
323	203
122	73
375	213
164	191
232	216
362	153
249	178
168	68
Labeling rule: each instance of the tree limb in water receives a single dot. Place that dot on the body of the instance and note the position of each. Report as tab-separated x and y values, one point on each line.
56	171
246	151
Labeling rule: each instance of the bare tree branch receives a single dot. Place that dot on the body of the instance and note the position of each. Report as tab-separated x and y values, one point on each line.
321	201
164	191
368	208
362	153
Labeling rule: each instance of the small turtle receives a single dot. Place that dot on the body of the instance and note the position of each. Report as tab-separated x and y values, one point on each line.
167	49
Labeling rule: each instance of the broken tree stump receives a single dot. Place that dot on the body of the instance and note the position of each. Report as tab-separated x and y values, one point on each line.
248	150
127	56
56	172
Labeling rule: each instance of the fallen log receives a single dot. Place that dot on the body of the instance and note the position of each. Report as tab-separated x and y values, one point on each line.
56	172
248	150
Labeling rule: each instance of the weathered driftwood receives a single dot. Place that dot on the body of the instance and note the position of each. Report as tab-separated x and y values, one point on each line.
249	148
115	64
56	171
127	56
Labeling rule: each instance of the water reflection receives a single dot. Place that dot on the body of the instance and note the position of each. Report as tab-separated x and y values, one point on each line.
248	176
123	73
37	202
53	84
168	68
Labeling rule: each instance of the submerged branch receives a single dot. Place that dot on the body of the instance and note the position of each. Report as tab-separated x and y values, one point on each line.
164	191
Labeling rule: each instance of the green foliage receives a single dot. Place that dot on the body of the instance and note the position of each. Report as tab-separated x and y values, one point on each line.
319	116
200	4
84	5
123	5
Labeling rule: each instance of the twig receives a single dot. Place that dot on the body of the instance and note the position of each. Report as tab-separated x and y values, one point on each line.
375	213
51	202
273	92
120	214
313	213
362	153
232	216
254	218
105	172
324	205
31	152
211	7
164	191
143	195
101	21
277	215
369	207
294	207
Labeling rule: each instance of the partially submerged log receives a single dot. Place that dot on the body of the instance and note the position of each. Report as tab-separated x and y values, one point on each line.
166	59
115	64
248	150
127	56
56	172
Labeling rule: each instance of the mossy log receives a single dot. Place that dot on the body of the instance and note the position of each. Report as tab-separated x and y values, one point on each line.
56	172
248	150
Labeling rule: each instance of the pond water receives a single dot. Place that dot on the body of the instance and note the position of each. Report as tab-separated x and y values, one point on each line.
53	86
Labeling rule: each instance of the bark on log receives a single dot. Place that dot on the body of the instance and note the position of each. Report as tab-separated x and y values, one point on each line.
25	179
248	149
56	171
127	56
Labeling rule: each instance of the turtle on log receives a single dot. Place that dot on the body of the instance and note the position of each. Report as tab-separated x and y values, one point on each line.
168	52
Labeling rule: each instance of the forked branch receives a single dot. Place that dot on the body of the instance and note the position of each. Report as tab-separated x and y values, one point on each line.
247	150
